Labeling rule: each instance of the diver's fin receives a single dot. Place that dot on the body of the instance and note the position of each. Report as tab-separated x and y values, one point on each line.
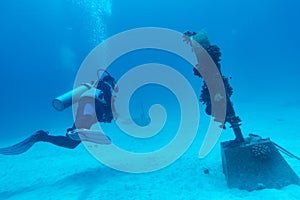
18	148
23	146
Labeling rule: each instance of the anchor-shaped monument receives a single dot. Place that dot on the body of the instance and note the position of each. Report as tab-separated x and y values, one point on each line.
249	163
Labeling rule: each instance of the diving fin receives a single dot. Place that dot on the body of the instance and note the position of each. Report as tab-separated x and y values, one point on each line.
23	146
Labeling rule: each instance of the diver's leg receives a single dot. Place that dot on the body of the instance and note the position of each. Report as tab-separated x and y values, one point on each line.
62	141
40	135
82	121
85	118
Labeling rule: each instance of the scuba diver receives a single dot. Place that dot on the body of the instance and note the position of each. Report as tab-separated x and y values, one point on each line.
94	105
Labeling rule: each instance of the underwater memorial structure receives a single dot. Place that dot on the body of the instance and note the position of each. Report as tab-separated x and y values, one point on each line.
249	163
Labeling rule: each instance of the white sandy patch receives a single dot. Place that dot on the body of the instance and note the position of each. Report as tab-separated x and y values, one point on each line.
49	172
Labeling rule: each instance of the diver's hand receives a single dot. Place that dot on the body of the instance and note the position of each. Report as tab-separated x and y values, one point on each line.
187	39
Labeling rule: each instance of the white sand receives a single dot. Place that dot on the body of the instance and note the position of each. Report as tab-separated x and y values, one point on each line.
48	172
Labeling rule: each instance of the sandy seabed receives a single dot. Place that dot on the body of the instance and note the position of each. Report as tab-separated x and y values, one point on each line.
48	172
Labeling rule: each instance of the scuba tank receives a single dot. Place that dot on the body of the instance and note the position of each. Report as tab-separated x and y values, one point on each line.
66	100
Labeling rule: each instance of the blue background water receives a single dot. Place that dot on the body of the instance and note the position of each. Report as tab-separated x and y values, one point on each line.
43	43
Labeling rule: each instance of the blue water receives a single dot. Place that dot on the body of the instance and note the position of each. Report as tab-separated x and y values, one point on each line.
43	43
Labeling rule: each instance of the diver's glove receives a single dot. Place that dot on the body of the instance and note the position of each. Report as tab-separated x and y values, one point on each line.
190	33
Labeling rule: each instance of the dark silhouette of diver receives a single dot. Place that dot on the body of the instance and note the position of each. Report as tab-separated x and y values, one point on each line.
94	105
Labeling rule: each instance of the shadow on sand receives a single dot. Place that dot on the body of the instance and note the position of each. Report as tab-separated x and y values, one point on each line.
87	181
